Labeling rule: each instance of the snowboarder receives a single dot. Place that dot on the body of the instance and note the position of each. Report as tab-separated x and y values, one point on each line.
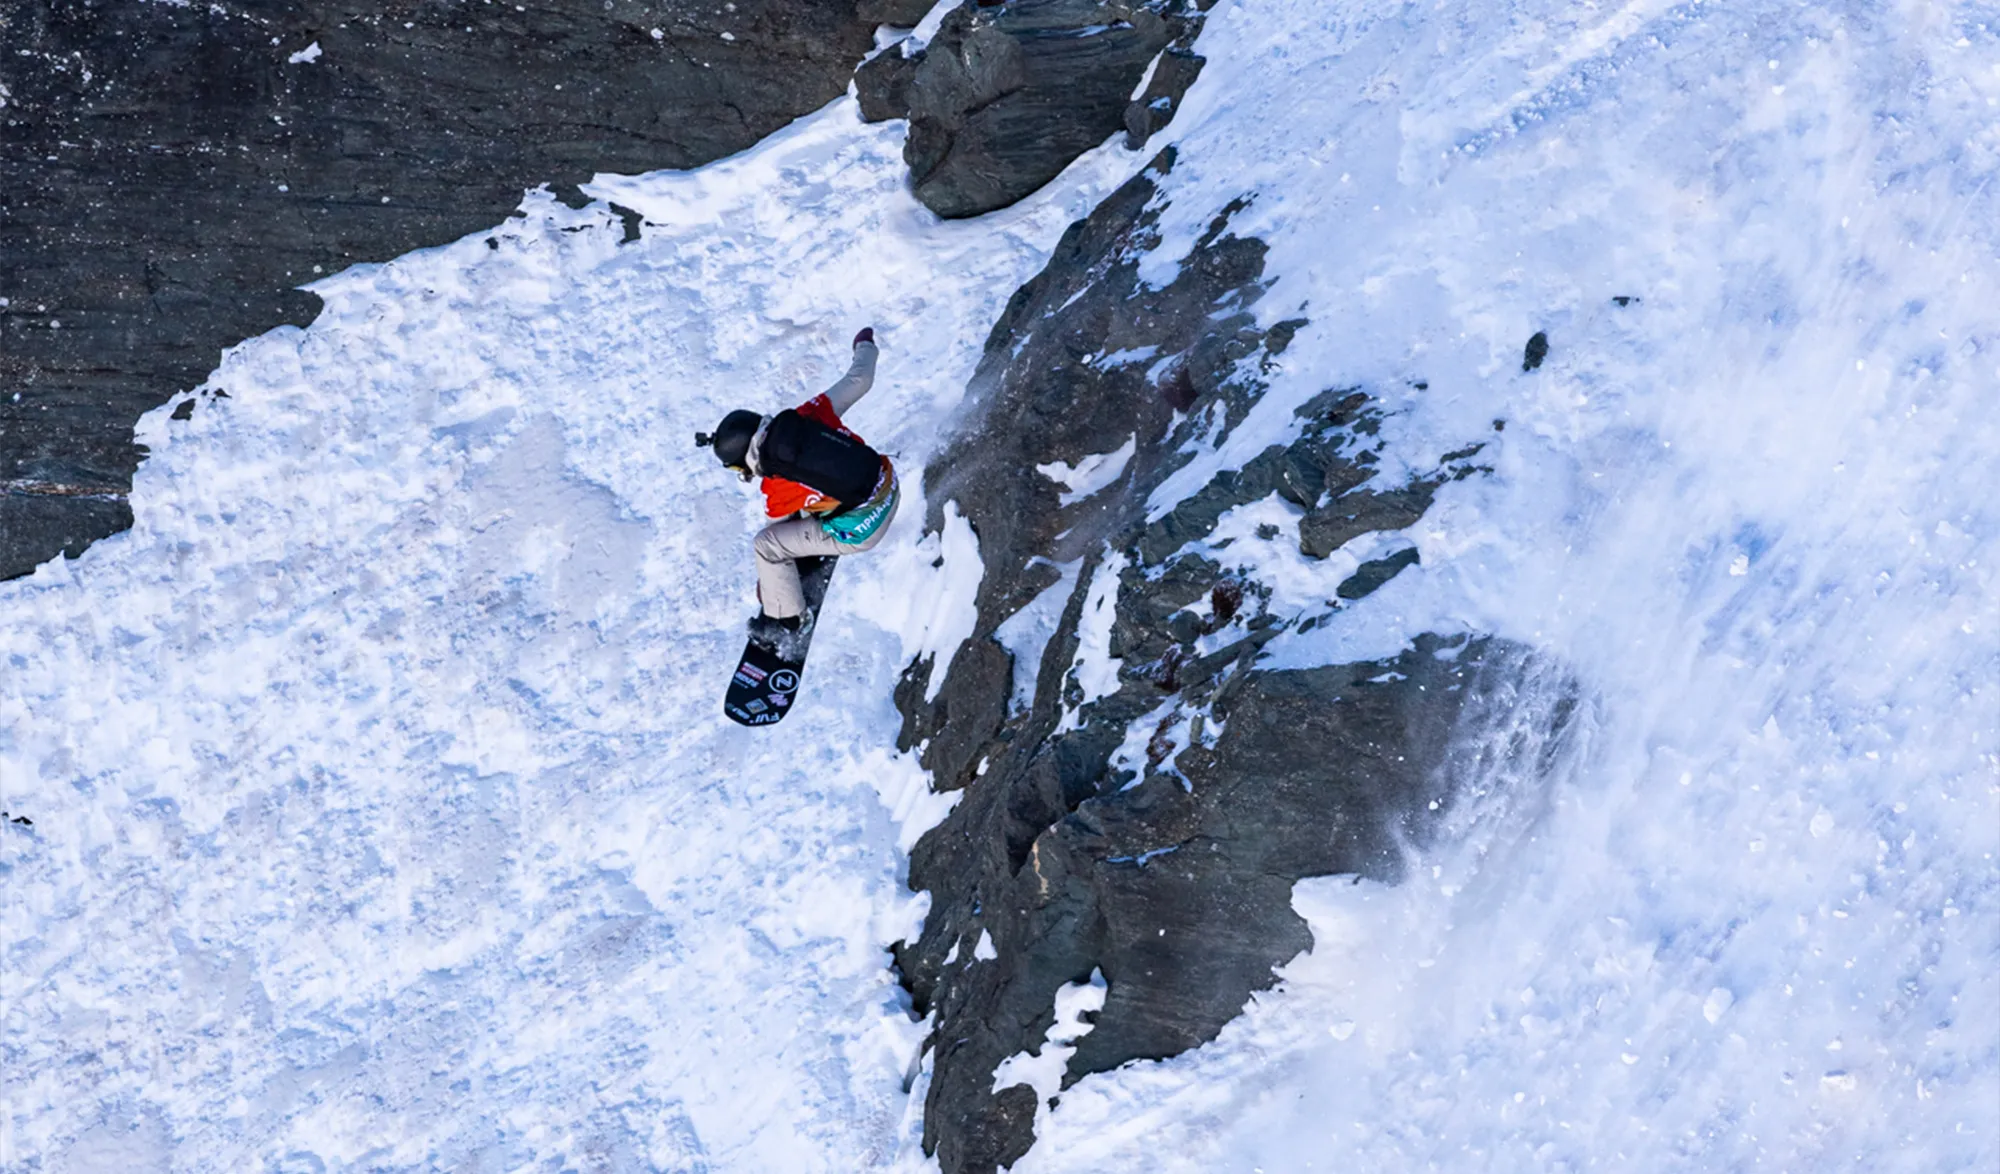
831	493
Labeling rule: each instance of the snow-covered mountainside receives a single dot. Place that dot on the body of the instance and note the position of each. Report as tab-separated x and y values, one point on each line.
1616	385
172	171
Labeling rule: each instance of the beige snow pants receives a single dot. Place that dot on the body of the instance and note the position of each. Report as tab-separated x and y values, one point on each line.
780	543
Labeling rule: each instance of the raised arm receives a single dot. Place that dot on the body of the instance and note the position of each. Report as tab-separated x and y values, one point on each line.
849	388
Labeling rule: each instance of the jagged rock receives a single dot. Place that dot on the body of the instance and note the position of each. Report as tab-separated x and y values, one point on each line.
1371	575
1351	515
1003	98
899	14
952	729
171	172
1151	111
1212	862
1168	868
882	84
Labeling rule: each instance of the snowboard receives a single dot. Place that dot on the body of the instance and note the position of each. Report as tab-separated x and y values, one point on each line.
766	681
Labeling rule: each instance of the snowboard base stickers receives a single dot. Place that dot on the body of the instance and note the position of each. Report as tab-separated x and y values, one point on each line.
766	680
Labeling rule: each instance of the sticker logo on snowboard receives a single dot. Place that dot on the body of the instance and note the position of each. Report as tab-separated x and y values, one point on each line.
765	683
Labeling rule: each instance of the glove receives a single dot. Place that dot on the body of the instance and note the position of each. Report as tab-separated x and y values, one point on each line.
867	335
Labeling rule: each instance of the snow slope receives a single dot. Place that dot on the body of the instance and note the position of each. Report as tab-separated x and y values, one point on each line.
384	814
1757	924
385	819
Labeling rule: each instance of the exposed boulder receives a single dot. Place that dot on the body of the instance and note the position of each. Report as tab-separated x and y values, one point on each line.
1006	96
1150	825
173	171
882	84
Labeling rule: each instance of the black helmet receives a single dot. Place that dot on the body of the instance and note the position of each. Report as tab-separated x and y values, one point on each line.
732	438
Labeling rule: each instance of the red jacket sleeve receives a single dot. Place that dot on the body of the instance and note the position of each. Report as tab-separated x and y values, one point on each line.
821	408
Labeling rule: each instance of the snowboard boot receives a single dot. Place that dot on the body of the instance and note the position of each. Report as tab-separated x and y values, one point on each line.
781	638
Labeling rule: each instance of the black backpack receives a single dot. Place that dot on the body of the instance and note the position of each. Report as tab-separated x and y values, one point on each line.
800	448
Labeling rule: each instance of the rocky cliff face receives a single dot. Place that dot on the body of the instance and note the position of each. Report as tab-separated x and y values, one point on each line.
1141	794
1007	95
171	172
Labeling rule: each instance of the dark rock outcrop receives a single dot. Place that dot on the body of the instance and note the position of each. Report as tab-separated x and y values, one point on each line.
1536	350
882	84
894	13
1152	827
1004	97
170	172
